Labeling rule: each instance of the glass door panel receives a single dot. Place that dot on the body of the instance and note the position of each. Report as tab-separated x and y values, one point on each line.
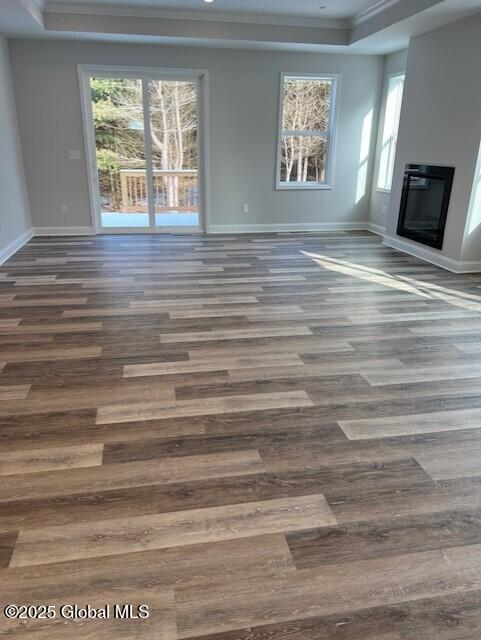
118	116
175	155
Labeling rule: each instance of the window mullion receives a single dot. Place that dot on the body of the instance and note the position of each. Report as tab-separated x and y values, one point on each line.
307	134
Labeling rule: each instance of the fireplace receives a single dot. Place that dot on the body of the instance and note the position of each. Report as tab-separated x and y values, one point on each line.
424	203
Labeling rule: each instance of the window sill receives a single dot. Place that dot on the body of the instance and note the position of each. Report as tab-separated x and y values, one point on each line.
383	190
302	186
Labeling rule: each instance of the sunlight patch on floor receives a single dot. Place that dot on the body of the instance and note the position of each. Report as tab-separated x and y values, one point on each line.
406	284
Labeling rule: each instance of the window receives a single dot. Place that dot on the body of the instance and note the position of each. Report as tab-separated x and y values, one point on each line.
308	105
389	136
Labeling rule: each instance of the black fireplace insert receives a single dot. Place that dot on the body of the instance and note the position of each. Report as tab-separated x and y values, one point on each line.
424	203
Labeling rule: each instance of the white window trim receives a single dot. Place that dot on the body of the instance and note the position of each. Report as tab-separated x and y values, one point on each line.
391	77
330	134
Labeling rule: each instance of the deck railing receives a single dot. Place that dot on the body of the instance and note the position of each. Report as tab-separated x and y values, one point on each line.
173	190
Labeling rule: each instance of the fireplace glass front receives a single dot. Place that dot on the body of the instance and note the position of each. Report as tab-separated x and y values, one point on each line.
425	203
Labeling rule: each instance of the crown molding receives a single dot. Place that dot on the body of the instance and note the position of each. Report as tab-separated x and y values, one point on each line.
34	8
207	15
370	12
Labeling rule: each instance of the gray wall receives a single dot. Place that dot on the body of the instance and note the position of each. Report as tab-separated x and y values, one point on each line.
393	64
244	90
14	210
441	122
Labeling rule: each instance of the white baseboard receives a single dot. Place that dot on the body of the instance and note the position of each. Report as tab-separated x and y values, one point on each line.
63	231
432	256
375	228
469	266
14	246
287	228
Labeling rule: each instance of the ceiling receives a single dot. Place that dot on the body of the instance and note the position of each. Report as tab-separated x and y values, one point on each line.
301	8
344	26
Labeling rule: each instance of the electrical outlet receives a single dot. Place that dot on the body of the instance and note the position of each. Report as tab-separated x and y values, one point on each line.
245	208
384	209
63	209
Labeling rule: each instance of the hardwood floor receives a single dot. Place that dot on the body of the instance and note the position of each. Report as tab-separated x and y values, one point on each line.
273	437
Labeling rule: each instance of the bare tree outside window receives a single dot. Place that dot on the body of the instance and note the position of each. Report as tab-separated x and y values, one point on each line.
173	127
120	144
307	105
119	139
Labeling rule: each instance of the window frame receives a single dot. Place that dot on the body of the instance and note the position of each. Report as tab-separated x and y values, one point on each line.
329	134
393	77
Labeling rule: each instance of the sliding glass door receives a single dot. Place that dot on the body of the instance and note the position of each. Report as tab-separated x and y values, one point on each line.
174	136
145	134
118	115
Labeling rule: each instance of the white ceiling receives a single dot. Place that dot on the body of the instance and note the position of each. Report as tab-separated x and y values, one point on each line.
301	8
346	26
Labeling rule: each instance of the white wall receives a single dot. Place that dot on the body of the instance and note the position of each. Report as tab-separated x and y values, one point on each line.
244	92
394	64
14	209
441	124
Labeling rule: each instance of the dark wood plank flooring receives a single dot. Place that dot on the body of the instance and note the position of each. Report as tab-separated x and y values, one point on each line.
272	437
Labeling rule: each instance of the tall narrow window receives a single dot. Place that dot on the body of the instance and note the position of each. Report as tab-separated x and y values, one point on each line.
308	106
390	132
